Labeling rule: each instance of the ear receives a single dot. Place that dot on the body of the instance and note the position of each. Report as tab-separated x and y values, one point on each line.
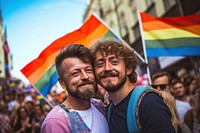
62	84
129	71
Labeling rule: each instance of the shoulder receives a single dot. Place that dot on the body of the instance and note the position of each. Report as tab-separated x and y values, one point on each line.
152	102
55	121
99	105
56	113
154	114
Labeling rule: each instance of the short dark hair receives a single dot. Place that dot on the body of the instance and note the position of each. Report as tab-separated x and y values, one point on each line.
160	74
175	81
72	50
112	46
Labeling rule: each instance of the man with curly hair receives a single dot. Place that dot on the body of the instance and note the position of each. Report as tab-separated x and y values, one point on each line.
115	70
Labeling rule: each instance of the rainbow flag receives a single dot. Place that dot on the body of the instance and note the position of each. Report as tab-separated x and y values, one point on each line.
39	97
41	72
176	36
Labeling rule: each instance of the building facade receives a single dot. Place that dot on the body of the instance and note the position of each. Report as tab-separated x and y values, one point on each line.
5	54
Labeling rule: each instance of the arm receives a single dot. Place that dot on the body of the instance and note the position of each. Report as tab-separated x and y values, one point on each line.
154	115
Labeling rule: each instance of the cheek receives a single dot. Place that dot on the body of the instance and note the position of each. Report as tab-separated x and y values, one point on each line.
97	71
92	76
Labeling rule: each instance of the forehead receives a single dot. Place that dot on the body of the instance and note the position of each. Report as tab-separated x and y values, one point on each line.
161	80
72	63
100	55
178	84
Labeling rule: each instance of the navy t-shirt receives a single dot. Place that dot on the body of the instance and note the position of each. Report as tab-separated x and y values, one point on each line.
154	115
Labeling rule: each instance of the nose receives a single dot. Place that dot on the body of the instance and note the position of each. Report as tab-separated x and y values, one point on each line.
84	75
108	66
158	88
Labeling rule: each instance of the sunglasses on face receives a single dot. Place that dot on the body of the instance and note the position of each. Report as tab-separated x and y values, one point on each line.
161	86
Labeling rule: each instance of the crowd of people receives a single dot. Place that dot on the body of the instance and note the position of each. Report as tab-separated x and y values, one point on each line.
94	79
181	96
22	108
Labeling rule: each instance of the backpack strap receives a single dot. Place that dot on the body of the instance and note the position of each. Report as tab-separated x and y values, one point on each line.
132	106
131	110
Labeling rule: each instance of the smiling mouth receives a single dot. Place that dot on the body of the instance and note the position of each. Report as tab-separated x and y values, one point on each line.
108	75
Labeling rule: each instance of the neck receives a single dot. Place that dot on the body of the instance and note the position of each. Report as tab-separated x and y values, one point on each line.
183	98
122	92
76	103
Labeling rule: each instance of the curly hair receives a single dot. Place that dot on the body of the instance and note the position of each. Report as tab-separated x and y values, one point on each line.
121	51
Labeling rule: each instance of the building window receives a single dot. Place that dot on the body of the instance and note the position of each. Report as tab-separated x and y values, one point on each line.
151	10
149	2
136	30
168	4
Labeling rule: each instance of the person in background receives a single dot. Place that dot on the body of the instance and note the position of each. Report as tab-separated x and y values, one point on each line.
179	126
23	123
182	100
115	66
79	112
161	81
5	126
192	117
38	117
192	85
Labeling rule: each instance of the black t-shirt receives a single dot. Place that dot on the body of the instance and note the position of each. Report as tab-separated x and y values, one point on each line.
154	115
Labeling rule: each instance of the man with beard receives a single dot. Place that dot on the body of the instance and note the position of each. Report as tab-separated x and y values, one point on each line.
115	66
79	112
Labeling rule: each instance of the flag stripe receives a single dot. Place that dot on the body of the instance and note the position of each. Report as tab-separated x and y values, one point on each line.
45	78
157	25
89	26
169	43
183	51
168	33
43	68
51	82
175	21
109	34
94	36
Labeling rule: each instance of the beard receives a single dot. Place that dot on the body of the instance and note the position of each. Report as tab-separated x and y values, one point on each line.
109	86
85	90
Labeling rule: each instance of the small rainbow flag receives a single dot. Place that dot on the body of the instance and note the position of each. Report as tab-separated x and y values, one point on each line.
39	97
41	72
176	36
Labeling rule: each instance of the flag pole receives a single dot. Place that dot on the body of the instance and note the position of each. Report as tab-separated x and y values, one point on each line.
137	54
43	97
144	47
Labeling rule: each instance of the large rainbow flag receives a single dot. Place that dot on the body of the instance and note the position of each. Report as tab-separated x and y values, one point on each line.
176	36
41	72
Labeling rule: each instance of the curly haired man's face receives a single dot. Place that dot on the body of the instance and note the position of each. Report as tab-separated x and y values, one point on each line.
110	71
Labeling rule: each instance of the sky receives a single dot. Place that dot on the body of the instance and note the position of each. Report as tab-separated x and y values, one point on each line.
32	25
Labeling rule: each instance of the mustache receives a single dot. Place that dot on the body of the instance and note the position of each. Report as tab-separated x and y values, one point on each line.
85	83
108	74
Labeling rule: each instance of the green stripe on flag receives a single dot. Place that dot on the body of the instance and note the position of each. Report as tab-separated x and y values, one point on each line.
108	35
45	78
170	43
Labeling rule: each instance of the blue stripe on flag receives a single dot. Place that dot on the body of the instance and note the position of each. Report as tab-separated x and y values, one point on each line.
47	87
180	51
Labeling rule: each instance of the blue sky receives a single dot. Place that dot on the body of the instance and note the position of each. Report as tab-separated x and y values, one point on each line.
33	24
